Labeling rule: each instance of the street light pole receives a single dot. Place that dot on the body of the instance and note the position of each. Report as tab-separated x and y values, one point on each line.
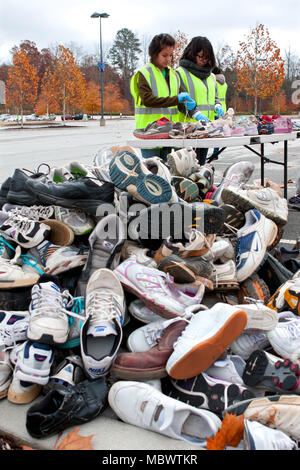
101	65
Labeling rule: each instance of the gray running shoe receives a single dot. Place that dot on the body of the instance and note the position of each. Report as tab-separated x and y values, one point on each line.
235	175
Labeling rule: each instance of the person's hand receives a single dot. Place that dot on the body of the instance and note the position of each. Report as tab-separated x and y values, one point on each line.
219	111
190	104
183	97
200	117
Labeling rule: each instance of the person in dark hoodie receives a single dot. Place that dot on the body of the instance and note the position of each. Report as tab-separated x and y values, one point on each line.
196	77
222	90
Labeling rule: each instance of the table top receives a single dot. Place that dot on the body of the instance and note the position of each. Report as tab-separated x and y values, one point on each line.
219	142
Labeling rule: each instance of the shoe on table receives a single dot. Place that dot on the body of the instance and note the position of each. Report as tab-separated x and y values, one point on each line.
101	333
142	405
205	338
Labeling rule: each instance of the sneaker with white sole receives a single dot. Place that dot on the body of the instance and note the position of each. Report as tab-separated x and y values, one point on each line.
156	289
145	337
235	175
221	249
257	436
224	276
131	248
21	392
68	373
101	161
27	233
285	338
48	315
275	374
157	166
197	245
6	370
138	310
34	361
260	317
129	173
7	251
265	200
183	162
281	412
33	212
142	405
207	392
245	344
229	369
13	276
101	333
253	239
56	259
205	338
77	220
13	327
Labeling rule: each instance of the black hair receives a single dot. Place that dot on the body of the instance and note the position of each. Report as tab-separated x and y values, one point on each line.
197	44
158	43
216	71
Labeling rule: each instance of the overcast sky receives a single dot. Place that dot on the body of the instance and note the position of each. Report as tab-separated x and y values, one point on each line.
47	22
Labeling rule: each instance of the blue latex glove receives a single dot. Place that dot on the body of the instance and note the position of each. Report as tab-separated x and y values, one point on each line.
200	117
219	111
190	104
183	97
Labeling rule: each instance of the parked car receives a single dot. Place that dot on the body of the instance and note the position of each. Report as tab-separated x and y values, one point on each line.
4	117
77	117
31	117
68	117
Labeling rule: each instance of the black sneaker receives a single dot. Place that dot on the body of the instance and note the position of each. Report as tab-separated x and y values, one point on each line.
59	410
18	193
263	369
78	193
4	191
186	270
66	375
205	392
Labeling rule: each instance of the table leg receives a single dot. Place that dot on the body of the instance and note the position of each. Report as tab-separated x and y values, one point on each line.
262	164
285	169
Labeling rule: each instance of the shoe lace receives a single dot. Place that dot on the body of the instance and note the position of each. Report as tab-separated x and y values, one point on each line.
51	302
103	306
8	336
77	304
37	172
33	212
3	242
33	262
20	222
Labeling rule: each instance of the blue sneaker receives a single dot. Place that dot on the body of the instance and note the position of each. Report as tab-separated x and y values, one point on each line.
128	173
253	239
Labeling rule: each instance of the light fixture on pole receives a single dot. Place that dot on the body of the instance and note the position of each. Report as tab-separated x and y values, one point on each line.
101	65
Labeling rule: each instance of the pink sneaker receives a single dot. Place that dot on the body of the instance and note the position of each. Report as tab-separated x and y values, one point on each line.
157	289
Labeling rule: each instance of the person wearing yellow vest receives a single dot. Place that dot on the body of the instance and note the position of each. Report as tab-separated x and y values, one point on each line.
196	78
156	90
222	91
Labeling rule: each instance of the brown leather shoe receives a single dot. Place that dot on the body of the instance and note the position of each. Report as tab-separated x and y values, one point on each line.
151	364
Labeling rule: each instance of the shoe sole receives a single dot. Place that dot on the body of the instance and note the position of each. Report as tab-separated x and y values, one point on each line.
164	135
186	190
245	204
256	288
263	320
46	338
208	396
131	175
14	284
233	217
201	356
284	375
226	285
60	233
25	397
137	374
66	265
3	393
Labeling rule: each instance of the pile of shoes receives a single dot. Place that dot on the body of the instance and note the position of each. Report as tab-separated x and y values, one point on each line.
138	287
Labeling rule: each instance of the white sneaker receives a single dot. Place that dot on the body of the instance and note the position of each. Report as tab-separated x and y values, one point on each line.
157	167
27	233
226	370
224	276
221	249
12	275
265	200
131	248
33	212
145	337
34	362
6	370
206	337
21	392
77	220
138	310
245	344
285	338
101	333
183	162
101	161
141	405
260	317
157	290
257	436
253	238
49	321
13	327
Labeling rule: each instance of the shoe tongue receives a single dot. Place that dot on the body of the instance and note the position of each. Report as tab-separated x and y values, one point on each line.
104	328
49	286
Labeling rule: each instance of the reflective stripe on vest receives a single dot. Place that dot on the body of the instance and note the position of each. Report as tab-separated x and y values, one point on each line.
145	115
222	90
205	99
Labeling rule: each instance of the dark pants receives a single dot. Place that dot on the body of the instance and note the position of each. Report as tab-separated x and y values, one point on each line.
201	155
161	152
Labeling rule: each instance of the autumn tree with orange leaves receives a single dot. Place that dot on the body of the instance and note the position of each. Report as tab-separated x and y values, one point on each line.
259	66
181	42
22	84
65	81
92	102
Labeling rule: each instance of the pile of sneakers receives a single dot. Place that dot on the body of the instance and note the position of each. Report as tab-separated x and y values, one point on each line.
137	286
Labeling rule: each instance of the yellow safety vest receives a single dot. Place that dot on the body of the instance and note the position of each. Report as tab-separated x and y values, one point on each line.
202	91
159	86
222	90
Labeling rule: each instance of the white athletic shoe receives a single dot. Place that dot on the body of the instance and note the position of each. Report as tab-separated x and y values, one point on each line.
260	317
205	338
12	275
145	337
77	220
13	327
142	405
221	249
245	344
34	362
138	310
183	162
257	436
21	230
285	338
101	333
6	370
157	167
33	212
131	248
253	238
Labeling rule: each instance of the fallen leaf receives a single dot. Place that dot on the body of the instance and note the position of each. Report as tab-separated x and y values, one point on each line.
230	433
27	448
73	441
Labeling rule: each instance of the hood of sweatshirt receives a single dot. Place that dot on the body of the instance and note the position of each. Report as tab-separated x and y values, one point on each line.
220	78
